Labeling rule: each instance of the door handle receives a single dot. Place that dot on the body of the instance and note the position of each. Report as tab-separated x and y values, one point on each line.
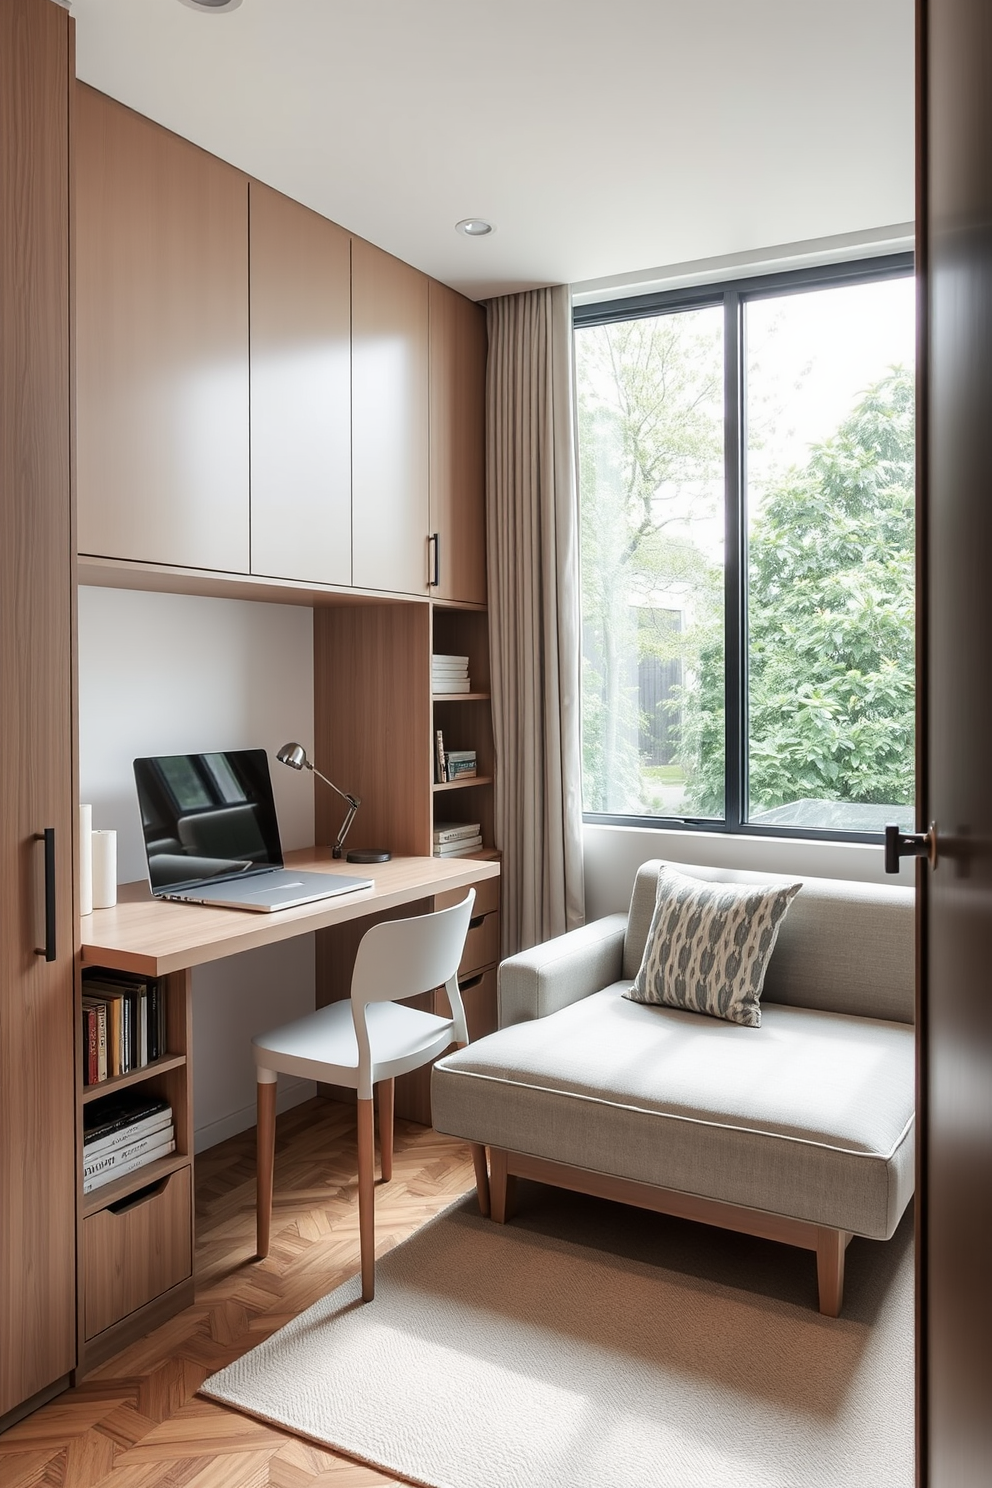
48	949
909	845
434	544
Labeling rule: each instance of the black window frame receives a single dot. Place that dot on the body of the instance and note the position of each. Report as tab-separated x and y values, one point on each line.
733	295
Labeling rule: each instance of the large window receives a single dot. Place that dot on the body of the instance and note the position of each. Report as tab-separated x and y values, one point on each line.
746	483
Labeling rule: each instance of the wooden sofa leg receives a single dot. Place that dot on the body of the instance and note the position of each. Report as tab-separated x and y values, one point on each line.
481	1177
831	1246
501	1186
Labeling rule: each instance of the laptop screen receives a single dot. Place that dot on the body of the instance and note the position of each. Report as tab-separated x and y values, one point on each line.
206	816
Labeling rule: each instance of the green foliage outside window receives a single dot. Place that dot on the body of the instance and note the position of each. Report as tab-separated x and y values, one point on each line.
831	656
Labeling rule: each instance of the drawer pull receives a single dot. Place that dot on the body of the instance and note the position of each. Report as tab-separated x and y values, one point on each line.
471	982
476	922
140	1196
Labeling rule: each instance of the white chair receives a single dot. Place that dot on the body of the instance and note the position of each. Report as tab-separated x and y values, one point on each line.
367	1040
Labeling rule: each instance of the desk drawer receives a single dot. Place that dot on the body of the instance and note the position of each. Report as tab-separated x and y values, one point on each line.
135	1254
486	896
481	944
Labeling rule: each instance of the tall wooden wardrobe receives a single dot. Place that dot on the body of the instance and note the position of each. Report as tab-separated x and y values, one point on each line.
37	1095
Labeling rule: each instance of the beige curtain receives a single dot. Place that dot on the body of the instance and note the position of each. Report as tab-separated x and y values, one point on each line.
534	614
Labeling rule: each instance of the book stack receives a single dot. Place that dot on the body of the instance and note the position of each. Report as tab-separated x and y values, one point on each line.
122	1133
460	763
449	674
457	839
123	1025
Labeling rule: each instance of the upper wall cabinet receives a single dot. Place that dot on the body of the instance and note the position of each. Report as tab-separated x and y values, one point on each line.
457	442
390	503
162	344
300	392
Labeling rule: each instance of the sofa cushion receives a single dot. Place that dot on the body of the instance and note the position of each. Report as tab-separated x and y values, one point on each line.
708	945
810	1116
843	947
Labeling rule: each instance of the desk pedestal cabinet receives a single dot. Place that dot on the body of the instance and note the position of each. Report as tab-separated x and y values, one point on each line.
137	1232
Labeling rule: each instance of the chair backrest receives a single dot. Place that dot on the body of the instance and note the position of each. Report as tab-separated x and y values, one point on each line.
401	958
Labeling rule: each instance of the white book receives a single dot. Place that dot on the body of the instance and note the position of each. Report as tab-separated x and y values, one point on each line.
439	659
458	849
451	831
125	1135
99	1179
116	1158
462	754
438	686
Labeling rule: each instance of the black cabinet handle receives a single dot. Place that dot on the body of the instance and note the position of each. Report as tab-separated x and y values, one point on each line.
48	838
434	543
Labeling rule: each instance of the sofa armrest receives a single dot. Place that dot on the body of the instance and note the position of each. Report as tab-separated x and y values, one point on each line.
540	981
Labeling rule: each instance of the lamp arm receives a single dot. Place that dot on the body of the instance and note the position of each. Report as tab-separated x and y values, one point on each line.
353	801
353	804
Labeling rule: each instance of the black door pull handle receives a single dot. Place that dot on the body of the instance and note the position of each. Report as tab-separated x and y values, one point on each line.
48	838
909	845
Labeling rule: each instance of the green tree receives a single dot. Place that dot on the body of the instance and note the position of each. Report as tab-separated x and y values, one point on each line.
650	439
830	613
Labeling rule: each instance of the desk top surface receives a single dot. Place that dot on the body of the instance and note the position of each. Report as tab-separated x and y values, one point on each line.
156	936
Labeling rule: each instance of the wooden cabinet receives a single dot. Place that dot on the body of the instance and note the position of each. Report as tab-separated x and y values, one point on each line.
300	392
162	344
321	448
457	444
37	1065
390	501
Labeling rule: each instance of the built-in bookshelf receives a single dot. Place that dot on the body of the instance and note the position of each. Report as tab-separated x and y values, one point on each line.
135	1229
464	721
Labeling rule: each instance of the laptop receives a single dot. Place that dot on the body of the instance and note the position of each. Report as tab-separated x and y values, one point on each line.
211	835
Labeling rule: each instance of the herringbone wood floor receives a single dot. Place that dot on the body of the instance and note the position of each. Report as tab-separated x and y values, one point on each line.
137	1422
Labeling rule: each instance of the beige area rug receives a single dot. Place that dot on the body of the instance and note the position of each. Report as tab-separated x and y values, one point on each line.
587	1345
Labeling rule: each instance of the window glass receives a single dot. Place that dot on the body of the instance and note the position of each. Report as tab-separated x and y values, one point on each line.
830	523
650	413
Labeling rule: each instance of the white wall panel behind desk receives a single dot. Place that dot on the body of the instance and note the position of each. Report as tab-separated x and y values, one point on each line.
177	674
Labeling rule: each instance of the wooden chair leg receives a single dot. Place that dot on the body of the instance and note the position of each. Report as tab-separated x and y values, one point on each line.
265	1156
366	1196
831	1246
501	1186
481	1177
387	1093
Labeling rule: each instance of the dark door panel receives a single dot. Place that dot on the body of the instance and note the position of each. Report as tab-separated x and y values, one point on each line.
955	1339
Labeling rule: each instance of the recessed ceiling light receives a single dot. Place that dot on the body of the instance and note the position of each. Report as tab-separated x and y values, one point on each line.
474	227
214	5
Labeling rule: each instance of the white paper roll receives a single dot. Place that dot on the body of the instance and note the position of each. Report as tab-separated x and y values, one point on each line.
104	870
85	860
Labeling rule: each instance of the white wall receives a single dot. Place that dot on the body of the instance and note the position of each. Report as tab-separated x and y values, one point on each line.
614	854
176	674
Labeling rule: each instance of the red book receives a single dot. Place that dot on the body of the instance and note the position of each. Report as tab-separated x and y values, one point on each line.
91	1052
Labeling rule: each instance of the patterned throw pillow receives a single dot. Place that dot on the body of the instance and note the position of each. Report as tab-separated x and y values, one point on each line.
709	944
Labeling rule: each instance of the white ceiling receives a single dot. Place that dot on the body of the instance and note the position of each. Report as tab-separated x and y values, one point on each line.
602	137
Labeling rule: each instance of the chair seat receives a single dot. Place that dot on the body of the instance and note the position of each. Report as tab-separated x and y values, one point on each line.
323	1046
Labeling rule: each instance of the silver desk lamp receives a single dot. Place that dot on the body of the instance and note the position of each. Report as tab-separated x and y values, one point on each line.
295	756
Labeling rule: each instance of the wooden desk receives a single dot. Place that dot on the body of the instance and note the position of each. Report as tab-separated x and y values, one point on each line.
154	936
137	1262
